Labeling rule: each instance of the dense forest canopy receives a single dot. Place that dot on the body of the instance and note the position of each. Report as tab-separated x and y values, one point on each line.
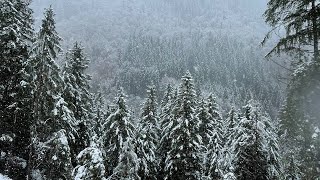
159	89
129	44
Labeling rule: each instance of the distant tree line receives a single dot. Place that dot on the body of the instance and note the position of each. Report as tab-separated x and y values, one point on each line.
53	127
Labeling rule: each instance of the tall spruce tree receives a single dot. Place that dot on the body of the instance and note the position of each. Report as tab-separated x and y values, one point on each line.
148	137
213	156
91	164
56	154
52	120
100	113
206	131
217	139
231	123
15	114
207	127
91	160
183	160
78	97
291	168
251	160
301	20
166	122
117	130
228	156
270	130
214	110
128	166
298	119
168	94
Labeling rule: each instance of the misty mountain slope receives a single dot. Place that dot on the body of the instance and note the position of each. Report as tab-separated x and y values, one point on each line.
133	43
113	21
221	65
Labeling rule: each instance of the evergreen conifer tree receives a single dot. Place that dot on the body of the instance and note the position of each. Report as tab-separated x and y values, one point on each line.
300	108
128	166
206	123
167	96
51	115
100	112
227	154
270	130
166	122
148	137
231	123
301	21
117	130
214	110
183	160
213	156
77	95
206	131
251	162
291	168
15	113
57	156
91	164
216	141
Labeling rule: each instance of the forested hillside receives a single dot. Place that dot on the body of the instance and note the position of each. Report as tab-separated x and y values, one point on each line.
135	43
159	89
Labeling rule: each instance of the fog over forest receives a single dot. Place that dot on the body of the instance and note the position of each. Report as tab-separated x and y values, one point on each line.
159	90
129	43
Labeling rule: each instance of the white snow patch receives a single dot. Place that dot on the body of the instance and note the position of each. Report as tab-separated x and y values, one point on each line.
23	83
2	154
317	130
36	175
5	137
3	177
63	139
316	133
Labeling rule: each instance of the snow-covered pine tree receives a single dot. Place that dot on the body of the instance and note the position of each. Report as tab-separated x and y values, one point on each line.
15	114
91	164
91	160
213	156
301	21
270	130
127	166
167	105
229	176
207	127
251	161
57	155
148	137
291	168
167	96
183	160
206	131
117	130
216	140
228	156
231	122
78	97
99	113
50	112
214	110
166	122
